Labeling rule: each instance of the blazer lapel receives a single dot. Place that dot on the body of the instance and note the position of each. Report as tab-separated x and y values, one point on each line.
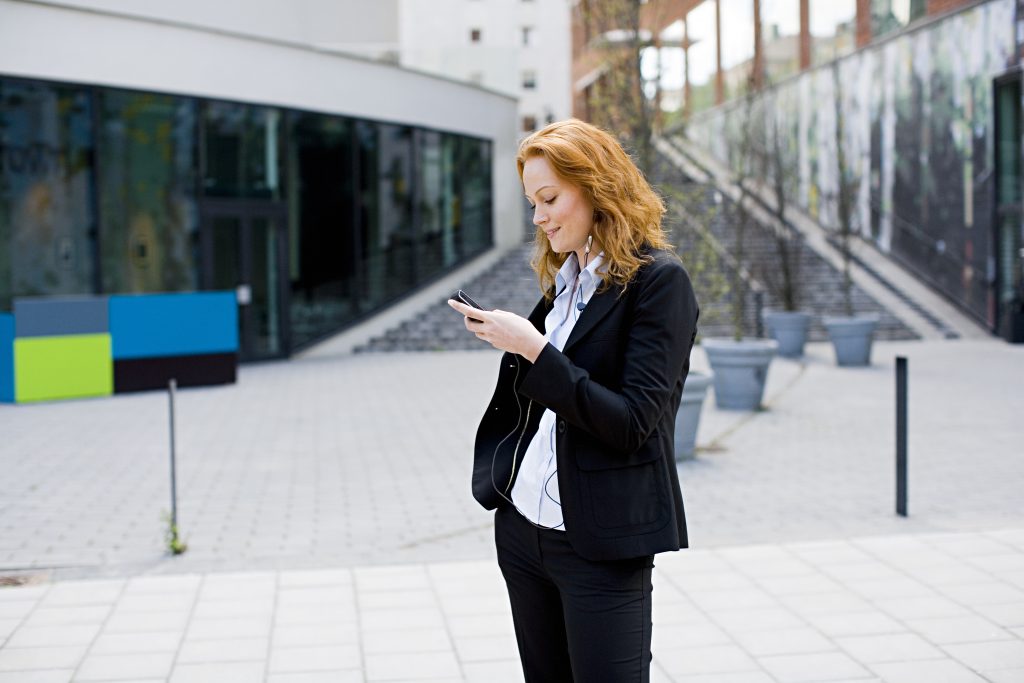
539	313
595	310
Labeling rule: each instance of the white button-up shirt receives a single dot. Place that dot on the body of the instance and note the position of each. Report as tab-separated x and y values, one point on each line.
535	493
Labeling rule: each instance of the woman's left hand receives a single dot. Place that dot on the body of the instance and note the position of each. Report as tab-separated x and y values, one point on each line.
503	330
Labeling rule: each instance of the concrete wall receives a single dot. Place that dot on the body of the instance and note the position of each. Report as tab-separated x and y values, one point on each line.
95	46
918	141
322	23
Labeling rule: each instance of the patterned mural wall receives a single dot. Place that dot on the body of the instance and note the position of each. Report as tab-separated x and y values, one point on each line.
918	136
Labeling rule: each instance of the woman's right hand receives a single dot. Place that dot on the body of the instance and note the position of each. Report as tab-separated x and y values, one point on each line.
503	330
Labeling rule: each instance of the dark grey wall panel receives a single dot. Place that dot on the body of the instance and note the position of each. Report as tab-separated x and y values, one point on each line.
143	374
55	316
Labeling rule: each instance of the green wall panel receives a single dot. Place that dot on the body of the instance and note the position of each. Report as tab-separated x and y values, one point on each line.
70	366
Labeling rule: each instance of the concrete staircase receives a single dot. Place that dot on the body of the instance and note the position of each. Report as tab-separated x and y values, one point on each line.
509	285
701	219
710	215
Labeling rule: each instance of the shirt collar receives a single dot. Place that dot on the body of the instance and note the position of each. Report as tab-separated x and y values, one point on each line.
567	273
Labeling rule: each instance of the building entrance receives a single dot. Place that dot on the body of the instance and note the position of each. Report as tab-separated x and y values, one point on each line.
243	249
1009	220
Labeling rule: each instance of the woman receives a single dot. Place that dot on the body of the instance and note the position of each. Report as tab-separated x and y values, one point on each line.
576	447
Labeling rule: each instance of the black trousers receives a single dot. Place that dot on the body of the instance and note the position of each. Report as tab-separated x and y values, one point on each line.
575	619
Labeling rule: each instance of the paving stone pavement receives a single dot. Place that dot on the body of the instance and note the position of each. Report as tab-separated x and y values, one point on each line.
332	535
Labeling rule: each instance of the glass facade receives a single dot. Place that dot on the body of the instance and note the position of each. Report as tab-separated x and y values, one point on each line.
241	151
1009	223
48	227
147	192
323	239
315	220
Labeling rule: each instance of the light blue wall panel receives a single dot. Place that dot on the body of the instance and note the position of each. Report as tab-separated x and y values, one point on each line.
154	325
6	358
57	316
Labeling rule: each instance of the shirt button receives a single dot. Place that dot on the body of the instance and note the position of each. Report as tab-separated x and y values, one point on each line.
561	426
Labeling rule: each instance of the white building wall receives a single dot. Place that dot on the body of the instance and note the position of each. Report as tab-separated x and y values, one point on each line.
435	37
96	46
362	25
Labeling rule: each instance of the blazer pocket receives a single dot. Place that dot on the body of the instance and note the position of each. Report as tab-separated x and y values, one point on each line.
626	501
592	457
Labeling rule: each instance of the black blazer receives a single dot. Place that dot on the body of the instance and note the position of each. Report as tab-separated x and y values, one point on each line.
615	389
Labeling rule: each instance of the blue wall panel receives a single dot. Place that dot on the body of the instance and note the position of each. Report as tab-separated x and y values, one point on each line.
57	316
153	325
6	358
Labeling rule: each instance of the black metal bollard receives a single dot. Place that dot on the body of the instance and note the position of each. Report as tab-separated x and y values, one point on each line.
901	436
758	313
172	386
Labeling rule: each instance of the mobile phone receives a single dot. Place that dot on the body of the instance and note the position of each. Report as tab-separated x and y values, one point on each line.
462	297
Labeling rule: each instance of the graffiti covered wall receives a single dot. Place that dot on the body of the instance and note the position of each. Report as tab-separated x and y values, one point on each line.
917	130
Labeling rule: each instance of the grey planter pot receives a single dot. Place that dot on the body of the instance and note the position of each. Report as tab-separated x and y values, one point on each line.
688	417
789	329
740	370
851	338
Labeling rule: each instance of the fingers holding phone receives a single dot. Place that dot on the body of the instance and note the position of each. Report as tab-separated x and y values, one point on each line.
466	305
502	330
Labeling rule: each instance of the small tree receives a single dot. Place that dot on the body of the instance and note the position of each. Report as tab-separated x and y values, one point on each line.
788	243
690	212
617	100
748	163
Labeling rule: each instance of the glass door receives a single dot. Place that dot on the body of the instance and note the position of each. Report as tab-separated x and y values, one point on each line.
1009	222
243	250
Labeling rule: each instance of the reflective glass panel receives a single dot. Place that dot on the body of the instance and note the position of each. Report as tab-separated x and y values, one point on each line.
434	221
323	234
241	147
148	203
386	208
1010	232
475	169
264	284
226	252
47	219
452	247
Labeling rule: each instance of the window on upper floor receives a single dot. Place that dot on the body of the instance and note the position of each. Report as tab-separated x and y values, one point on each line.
527	32
475	35
529	124
529	80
